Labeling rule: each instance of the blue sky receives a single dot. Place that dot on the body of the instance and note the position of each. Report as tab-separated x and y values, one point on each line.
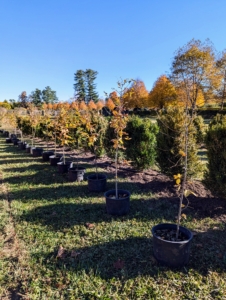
44	42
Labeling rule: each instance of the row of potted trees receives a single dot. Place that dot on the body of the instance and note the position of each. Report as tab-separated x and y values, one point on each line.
59	127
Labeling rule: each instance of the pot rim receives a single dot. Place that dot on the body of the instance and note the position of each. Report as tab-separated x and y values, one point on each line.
113	191
174	226
95	174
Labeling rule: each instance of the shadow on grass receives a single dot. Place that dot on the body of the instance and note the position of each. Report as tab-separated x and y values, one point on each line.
122	259
133	257
66	215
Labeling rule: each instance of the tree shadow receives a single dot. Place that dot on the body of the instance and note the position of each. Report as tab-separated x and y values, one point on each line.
133	257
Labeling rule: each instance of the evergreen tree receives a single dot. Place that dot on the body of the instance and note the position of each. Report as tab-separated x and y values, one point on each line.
91	94
49	96
36	97
79	86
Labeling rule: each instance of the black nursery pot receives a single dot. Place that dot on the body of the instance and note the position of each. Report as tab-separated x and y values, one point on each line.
97	182
36	152
63	168
15	142
76	174
28	149
117	206
54	159
8	140
22	145
46	155
172	253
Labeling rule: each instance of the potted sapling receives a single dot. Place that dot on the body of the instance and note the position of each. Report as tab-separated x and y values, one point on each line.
97	181
35	117
47	131
118	200
78	126
64	138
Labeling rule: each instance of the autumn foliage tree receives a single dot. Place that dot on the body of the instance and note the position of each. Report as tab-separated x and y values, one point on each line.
194	70
136	96
163	93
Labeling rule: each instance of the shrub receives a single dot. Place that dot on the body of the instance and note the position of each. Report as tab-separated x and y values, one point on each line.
171	144
141	148
200	129
215	176
100	123
24	125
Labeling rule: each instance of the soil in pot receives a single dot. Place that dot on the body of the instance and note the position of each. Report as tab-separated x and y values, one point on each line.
54	159
63	168
76	174
46	155
36	152
97	182
117	206
168	250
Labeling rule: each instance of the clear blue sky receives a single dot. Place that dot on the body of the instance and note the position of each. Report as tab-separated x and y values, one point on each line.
44	42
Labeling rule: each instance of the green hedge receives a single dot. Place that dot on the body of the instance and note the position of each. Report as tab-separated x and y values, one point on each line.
171	144
141	148
215	176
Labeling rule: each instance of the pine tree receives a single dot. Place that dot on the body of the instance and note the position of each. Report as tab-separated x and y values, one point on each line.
91	94
79	86
49	96
36	97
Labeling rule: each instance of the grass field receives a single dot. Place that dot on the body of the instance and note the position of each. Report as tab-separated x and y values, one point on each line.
57	242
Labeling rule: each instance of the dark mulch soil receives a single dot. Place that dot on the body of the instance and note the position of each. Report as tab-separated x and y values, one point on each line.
205	204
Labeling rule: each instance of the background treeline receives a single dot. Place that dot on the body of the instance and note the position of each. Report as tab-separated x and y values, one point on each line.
197	76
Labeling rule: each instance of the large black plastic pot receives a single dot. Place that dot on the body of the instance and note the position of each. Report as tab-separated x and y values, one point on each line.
36	152
15	141
171	253
63	168
22	145
97	182
117	206
8	140
76	174
28	148
46	155
54	159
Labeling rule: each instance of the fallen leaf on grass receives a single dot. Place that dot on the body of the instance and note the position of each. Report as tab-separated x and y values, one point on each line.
61	252
90	225
199	245
119	264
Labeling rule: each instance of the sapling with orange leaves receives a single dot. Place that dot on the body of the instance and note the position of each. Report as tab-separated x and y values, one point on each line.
119	120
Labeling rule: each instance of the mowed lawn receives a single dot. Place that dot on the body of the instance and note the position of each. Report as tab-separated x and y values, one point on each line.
58	242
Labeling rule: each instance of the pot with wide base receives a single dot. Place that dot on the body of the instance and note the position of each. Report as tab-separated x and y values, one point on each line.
63	167
97	182
172	252
54	159
76	173
46	155
36	152
117	206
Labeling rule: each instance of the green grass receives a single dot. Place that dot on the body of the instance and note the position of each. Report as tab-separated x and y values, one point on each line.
109	259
